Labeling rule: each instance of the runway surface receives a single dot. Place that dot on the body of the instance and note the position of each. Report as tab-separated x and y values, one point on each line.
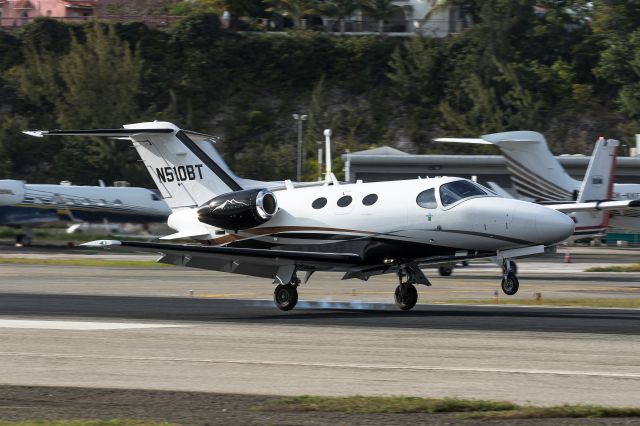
134	328
332	314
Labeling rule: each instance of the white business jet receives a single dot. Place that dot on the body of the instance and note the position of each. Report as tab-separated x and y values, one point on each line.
361	229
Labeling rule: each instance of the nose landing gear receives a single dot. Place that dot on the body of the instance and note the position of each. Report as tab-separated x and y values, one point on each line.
406	295
510	283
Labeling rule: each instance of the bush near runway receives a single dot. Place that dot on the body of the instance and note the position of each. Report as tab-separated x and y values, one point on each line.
477	409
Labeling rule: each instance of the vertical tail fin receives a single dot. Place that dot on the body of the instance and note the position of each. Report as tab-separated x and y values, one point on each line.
535	172
184	166
599	179
181	165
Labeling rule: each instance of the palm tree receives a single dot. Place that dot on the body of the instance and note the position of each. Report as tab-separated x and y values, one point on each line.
383	10
340	9
295	9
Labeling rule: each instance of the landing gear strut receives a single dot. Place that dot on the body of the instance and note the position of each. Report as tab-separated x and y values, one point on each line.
510	283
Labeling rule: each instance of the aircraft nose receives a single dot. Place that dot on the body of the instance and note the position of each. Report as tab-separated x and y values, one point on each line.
553	226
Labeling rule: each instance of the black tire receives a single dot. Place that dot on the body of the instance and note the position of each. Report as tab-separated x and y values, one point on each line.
510	284
23	240
406	296
445	271
514	268
285	297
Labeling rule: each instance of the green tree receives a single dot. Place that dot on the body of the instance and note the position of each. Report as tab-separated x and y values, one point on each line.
96	84
381	10
295	9
340	9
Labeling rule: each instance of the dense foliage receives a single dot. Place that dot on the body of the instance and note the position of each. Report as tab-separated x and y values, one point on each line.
569	69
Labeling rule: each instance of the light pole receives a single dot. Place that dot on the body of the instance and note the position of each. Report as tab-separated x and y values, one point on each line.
327	153
299	118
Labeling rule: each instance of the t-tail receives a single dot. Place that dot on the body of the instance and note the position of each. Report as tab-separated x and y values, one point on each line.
535	173
180	162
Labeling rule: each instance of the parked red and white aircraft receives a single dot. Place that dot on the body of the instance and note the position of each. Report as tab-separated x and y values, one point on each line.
362	229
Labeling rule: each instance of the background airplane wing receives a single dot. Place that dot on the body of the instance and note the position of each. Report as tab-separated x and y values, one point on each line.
604	205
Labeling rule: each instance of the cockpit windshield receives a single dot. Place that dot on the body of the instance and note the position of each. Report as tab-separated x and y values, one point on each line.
458	190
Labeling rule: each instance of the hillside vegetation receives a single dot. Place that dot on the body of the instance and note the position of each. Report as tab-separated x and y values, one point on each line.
571	73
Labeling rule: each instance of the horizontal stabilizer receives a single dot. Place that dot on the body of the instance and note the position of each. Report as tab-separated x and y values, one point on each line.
596	206
98	132
464	140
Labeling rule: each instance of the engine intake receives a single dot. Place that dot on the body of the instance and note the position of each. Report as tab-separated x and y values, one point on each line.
240	209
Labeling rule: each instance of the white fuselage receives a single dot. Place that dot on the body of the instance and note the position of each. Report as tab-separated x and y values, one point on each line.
477	223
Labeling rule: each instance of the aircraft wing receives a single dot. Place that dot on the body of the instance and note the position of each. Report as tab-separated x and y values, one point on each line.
604	205
254	262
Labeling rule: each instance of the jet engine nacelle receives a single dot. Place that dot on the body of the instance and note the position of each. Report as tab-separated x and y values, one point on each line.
11	192
240	209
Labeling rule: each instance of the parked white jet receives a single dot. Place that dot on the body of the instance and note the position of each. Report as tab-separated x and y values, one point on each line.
362	229
28	205
537	175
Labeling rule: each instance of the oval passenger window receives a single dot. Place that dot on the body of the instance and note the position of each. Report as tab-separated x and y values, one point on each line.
370	200
427	199
319	203
345	201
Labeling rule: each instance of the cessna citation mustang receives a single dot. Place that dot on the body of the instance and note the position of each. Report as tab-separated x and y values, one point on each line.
278	231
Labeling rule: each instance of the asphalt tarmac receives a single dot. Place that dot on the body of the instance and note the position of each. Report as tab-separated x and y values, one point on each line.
175	329
327	314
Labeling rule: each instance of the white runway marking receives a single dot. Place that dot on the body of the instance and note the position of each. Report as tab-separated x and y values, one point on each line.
603	374
78	325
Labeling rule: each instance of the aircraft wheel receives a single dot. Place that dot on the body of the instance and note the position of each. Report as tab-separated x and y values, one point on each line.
510	284
406	296
23	240
285	297
445	271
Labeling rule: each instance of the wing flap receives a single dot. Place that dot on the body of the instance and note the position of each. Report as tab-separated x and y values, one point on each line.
254	262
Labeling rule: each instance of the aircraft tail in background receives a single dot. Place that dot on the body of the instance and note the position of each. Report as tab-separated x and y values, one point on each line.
535	173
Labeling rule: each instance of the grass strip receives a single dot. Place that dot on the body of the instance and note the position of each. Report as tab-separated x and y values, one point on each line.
582	303
617	268
561	411
113	422
81	262
380	404
470	408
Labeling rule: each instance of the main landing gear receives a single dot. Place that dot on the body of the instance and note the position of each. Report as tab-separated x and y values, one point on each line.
510	283
285	296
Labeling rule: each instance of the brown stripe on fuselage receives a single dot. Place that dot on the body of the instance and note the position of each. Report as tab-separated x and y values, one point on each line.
279	229
230	238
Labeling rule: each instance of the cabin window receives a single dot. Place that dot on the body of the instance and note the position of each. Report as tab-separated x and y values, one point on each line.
344	201
319	203
370	200
458	190
117	202
427	199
